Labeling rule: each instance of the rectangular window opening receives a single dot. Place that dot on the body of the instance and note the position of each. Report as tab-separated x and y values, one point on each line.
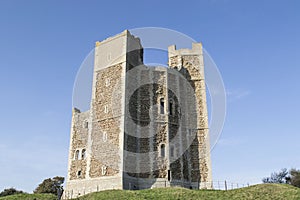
169	175
162	106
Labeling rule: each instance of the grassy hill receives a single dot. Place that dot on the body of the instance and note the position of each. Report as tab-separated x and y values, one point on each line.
262	191
30	197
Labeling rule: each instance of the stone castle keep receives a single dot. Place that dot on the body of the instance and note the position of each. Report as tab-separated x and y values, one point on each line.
147	126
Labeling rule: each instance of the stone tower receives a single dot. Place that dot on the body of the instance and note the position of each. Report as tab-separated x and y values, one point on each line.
147	126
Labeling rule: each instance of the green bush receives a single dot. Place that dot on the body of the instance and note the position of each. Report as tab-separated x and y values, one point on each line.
10	191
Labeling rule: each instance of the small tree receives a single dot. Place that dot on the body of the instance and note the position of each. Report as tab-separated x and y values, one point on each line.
280	177
294	178
53	186
10	191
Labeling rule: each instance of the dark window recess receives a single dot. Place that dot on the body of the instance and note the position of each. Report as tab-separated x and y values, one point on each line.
79	173
162	106
172	151
162	150
83	154
171	108
169	175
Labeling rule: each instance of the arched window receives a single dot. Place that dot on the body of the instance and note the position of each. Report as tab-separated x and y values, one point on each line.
163	150
162	106
77	155
83	154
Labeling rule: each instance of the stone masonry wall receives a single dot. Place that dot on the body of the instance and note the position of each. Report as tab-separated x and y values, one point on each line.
141	100
78	144
105	158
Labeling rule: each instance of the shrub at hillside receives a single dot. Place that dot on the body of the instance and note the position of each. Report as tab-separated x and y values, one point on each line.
49	185
10	191
277	177
295	177
292	177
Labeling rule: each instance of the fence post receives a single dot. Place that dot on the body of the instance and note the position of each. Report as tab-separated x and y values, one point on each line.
225	185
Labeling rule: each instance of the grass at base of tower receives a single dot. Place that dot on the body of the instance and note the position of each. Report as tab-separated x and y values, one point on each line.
261	191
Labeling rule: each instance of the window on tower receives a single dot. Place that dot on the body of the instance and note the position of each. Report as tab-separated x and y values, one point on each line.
105	109
104	136
79	174
83	154
86	124
77	155
107	82
163	150
172	151
171	107
162	106
103	170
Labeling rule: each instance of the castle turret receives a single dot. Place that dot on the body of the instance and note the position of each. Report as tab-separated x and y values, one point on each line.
190	63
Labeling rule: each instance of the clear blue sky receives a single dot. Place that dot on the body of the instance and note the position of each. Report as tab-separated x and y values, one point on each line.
255	44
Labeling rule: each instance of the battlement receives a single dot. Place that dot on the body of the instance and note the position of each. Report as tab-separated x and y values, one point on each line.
125	33
196	50
120	48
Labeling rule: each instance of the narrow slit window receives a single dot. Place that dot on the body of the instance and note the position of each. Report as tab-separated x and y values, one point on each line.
162	106
171	109
172	151
104	137
79	174
103	170
108	56
163	150
86	124
107	82
77	155
83	154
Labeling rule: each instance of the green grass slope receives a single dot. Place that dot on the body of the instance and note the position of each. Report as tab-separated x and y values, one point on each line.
30	197
262	191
